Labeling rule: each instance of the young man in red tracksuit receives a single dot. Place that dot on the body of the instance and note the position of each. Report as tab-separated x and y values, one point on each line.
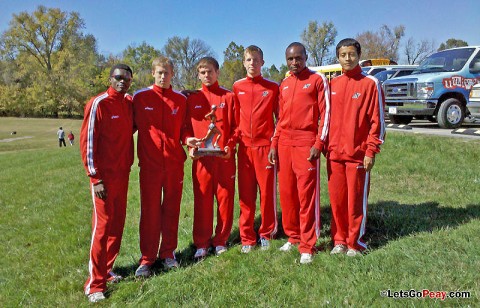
299	139
106	145
159	116
357	130
212	176
258	101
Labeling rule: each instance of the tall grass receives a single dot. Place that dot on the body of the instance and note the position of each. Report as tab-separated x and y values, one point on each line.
422	230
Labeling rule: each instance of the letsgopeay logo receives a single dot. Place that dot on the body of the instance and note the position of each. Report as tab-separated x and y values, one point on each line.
459	82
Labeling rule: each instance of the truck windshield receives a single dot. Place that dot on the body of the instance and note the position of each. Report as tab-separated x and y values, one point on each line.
445	61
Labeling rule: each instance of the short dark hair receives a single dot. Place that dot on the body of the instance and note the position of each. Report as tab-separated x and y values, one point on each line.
208	60
349	42
297	44
122	67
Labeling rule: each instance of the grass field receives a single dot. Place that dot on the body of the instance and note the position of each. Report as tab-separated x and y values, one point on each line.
423	231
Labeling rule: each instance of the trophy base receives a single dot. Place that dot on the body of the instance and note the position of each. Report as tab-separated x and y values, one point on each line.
203	152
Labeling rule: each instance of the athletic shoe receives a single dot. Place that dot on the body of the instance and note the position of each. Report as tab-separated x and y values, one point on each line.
286	247
339	248
353	252
264	244
220	249
96	297
143	271
306	258
246	248
200	253
170	263
114	278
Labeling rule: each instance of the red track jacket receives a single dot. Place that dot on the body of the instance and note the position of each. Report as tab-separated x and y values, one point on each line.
256	106
302	101
160	126
357	126
199	104
106	141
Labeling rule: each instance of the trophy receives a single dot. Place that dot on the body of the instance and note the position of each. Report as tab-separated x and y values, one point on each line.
208	145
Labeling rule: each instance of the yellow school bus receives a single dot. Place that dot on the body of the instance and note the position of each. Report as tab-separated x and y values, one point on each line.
334	70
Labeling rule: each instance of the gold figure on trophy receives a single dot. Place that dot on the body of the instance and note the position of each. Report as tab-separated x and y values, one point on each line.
208	145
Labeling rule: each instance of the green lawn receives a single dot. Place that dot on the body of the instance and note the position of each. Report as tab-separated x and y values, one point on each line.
423	231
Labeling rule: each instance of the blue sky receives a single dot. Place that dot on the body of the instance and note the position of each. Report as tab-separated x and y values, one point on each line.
272	24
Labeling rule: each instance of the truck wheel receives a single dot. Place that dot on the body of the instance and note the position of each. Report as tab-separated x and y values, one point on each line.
450	114
398	119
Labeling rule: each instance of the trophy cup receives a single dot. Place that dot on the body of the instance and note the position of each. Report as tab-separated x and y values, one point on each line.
208	145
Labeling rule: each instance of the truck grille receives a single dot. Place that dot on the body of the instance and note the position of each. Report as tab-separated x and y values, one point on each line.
398	90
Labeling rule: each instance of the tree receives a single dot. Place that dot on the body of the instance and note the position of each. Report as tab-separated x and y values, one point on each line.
275	74
416	52
42	33
232	68
381	44
452	43
46	46
317	40
185	53
140	59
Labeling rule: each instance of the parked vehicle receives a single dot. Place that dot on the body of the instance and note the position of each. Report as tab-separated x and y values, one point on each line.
474	101
438	89
373	70
392	73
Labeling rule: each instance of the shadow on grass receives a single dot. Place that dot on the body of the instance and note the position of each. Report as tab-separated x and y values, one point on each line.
386	221
390	220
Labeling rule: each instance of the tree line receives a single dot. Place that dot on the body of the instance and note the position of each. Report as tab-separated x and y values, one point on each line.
50	67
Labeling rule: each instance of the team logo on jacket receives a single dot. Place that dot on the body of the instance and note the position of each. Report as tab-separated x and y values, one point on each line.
149	108
312	169
175	110
268	167
222	105
241	93
115	117
198	106
356	95
306	86
265	93
284	88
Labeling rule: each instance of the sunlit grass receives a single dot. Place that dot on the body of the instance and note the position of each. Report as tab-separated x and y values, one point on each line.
423	229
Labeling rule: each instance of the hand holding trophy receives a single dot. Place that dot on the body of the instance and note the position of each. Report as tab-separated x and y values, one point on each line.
208	145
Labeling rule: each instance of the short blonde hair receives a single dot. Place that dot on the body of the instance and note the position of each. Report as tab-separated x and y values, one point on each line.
162	61
251	49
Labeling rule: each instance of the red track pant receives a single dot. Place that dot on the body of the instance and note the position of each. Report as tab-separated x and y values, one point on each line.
213	177
349	185
108	220
299	185
254	171
161	194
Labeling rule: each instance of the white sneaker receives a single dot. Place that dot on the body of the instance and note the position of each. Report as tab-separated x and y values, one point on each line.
286	247
143	271
200	253
306	258
264	244
354	253
96	297
170	263
246	248
220	249
339	248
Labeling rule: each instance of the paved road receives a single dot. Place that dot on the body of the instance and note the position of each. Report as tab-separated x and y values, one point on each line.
429	128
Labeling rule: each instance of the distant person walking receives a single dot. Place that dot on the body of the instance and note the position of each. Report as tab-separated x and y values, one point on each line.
71	138
61	137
